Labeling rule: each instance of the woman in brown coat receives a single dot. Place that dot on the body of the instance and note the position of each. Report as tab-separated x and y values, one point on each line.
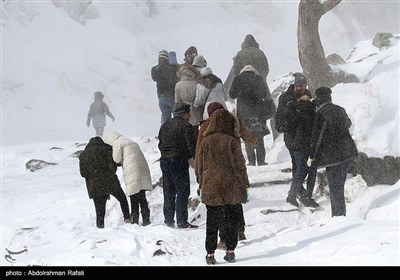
223	181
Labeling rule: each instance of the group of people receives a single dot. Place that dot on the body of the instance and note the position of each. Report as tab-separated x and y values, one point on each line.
197	130
98	165
316	133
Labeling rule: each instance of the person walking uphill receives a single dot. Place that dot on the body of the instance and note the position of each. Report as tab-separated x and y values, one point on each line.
332	146
223	181
164	74
97	113
97	166
251	93
136	172
177	147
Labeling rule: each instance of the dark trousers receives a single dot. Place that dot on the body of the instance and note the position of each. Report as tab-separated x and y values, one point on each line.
176	190
100	206
136	200
300	172
241	224
227	215
258	152
118	193
336	178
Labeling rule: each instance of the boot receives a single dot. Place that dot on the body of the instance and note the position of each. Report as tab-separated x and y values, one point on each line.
308	201
292	200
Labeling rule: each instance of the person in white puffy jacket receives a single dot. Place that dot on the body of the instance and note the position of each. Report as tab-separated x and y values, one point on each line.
136	173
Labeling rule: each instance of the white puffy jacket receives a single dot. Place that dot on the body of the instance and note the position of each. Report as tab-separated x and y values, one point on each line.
135	169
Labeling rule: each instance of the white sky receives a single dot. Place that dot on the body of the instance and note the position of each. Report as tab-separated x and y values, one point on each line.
52	65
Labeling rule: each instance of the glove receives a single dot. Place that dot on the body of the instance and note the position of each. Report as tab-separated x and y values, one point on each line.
88	123
310	161
113	119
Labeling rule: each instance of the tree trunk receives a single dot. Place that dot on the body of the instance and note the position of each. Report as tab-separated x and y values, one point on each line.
311	53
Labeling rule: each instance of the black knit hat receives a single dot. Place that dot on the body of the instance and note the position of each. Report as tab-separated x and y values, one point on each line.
299	79
323	92
181	108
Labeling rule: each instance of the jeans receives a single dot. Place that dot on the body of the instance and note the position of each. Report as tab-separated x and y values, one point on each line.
176	190
300	171
166	105
336	178
259	150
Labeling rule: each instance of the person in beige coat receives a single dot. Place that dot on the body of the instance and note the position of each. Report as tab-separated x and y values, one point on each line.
223	181
136	173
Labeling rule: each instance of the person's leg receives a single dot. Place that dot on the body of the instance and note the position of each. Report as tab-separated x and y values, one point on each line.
311	178
119	194
241	224
336	179
232	218
212	225
299	169
166	105
169	191
144	208
134	208
260	149
99	131
181	180
251	155
100	206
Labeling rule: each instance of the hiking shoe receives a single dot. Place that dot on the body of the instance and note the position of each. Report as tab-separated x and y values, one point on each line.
230	257
251	163
222	245
171	225
292	200
262	163
241	236
187	225
308	201
210	260
146	223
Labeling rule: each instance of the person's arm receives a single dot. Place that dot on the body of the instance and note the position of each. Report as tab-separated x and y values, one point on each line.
107	111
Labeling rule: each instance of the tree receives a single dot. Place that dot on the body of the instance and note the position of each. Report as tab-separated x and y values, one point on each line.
311	53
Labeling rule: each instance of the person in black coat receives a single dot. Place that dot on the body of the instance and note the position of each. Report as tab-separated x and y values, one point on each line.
294	118
177	146
249	89
97	166
332	146
164	74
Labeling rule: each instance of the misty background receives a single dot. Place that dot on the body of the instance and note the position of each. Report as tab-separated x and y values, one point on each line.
57	49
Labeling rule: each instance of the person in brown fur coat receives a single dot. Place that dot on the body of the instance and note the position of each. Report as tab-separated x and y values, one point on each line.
223	181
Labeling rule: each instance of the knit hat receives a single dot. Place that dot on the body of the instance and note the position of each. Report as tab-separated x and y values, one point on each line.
199	61
205	71
299	79
172	58
163	54
181	108
213	106
323	92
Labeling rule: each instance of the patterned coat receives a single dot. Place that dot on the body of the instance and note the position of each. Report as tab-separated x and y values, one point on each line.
221	166
97	166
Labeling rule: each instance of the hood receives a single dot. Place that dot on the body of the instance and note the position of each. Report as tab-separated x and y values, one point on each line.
111	137
222	121
98	96
249	41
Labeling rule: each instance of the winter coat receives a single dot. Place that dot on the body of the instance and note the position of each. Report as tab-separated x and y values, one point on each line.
250	54
164	74
98	111
244	133
331	142
176	139
251	95
97	166
136	171
185	91
288	117
209	89
221	167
